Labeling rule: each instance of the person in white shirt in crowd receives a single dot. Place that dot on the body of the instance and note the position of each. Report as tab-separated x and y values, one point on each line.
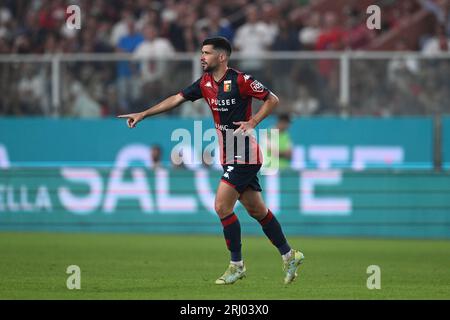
153	51
31	90
120	29
253	38
304	104
400	64
84	106
310	32
437	44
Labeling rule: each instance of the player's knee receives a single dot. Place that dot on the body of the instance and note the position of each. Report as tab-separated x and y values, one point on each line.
256	212
222	209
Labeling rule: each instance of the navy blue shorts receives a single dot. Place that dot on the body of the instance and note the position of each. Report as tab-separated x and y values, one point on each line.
241	176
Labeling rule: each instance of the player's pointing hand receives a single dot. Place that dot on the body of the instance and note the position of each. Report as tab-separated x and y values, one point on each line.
132	118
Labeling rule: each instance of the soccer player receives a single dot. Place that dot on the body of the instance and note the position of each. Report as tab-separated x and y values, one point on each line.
229	93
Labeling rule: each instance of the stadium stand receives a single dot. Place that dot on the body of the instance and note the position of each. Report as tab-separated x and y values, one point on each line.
379	87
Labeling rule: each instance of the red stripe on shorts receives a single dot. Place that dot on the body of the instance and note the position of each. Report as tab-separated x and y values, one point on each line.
228	183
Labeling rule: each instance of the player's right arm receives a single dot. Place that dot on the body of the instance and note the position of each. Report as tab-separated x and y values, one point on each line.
165	105
191	93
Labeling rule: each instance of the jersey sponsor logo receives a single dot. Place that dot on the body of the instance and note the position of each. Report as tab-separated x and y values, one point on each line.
221	109
246	77
257	86
227	86
221	102
221	127
208	84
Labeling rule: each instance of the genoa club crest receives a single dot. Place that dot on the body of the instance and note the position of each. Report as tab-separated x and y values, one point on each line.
227	86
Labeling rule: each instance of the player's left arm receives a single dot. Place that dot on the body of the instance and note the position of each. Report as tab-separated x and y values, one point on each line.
252	88
270	103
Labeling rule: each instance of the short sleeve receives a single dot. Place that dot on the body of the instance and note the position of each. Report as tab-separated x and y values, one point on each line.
193	92
250	87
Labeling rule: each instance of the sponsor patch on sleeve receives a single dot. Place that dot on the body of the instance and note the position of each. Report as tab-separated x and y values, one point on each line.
257	86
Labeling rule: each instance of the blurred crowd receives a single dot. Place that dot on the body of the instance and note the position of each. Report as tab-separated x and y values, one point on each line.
151	30
38	26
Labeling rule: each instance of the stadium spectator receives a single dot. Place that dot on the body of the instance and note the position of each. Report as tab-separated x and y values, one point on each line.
50	15
130	41
310	32
284	145
21	45
184	35
127	84
400	64
156	156
110	102
441	10
4	47
271	18
304	104
252	39
214	22
153	50
5	15
331	36
120	28
356	34
173	26
95	36
176	160
84	106
437	44
5	21
286	38
149	18
31	91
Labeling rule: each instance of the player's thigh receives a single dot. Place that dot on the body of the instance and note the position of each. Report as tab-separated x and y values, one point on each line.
253	202
226	198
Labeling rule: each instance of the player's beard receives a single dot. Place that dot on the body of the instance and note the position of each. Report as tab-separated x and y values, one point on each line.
209	68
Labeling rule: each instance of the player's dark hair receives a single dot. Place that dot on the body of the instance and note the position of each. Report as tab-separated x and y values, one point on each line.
219	43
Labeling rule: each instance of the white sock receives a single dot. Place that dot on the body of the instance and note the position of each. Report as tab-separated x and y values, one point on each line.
238	263
286	256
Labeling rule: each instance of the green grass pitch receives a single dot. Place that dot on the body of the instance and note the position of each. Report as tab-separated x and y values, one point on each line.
128	266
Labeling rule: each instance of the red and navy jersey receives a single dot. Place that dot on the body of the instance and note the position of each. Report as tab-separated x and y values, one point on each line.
230	100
